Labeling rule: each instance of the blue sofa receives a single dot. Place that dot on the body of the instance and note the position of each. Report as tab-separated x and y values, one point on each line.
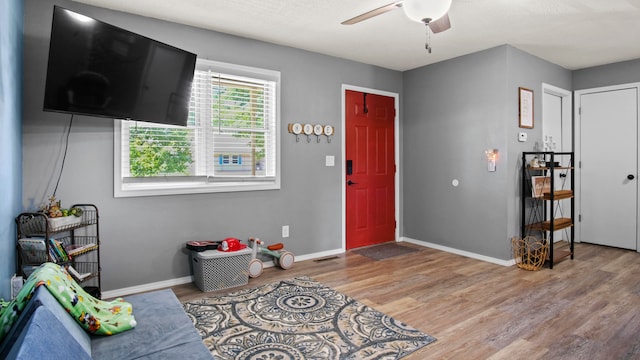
44	330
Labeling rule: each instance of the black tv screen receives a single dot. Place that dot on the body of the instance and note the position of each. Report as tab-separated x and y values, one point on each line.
99	69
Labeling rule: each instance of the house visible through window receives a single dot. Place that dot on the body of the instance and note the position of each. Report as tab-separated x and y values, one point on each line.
229	144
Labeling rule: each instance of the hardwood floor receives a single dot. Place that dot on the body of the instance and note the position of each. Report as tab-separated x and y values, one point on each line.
586	308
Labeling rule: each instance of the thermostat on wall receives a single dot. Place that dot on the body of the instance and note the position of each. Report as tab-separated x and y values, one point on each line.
522	136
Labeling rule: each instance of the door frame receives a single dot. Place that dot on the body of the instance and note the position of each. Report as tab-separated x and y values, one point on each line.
396	145
578	155
567	126
566	129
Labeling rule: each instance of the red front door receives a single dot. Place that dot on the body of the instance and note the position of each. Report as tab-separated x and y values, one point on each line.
370	161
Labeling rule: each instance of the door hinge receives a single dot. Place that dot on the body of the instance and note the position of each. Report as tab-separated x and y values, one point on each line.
395	224
580	110
395	170
579	217
580	164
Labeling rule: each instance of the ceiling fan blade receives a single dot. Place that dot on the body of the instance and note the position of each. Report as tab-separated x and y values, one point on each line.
441	24
375	12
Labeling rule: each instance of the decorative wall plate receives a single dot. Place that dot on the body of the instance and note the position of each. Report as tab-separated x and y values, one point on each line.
328	130
295	128
308	129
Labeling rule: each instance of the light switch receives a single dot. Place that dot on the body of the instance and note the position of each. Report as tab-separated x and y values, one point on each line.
330	160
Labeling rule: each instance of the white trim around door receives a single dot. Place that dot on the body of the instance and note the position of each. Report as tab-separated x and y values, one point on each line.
396	141
578	145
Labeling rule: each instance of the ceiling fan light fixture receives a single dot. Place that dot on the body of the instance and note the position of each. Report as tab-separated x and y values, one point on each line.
425	11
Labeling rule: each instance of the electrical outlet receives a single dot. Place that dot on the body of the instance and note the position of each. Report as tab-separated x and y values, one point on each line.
285	231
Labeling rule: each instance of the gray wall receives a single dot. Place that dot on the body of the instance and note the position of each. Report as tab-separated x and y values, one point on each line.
525	70
10	135
453	112
143	238
605	75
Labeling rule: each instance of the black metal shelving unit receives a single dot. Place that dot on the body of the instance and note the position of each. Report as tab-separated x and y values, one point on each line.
80	236
544	197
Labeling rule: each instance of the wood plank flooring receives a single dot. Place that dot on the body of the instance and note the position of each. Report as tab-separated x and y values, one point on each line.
586	308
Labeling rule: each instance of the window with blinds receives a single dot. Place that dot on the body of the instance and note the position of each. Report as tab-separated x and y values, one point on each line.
230	142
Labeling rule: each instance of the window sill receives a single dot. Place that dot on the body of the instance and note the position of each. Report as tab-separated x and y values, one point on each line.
159	189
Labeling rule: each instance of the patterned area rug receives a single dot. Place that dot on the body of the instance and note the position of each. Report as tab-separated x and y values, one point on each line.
299	319
384	251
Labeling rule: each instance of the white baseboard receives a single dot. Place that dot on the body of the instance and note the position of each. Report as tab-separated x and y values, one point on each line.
146	287
459	252
189	279
320	255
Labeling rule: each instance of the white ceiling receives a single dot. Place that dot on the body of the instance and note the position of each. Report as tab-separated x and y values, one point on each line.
571	33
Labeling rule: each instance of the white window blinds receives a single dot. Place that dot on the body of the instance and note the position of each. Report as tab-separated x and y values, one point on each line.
231	133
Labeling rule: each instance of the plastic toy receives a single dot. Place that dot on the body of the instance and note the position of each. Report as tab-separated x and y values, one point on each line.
202	245
231	244
281	257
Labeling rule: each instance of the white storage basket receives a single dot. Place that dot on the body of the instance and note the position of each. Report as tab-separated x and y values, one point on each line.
217	270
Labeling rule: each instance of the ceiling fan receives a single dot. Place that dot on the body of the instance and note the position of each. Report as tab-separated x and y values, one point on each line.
432	13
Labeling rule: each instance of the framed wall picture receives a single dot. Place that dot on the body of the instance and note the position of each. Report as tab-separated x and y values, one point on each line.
540	185
525	107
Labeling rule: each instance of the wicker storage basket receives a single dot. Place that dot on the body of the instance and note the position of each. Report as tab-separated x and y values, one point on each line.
530	253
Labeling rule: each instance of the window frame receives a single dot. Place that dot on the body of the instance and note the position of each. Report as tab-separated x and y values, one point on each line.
176	185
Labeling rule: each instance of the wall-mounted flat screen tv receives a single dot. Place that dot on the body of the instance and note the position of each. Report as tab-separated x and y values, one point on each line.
102	70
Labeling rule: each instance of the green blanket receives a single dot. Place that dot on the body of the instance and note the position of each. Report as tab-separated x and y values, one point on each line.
95	316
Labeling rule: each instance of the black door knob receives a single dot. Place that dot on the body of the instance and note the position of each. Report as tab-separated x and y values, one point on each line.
349	182
630	177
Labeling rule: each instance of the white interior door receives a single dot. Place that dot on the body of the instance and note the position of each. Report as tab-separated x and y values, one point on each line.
557	128
608	158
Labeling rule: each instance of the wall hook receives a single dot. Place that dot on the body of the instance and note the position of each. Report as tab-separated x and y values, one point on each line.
365	109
